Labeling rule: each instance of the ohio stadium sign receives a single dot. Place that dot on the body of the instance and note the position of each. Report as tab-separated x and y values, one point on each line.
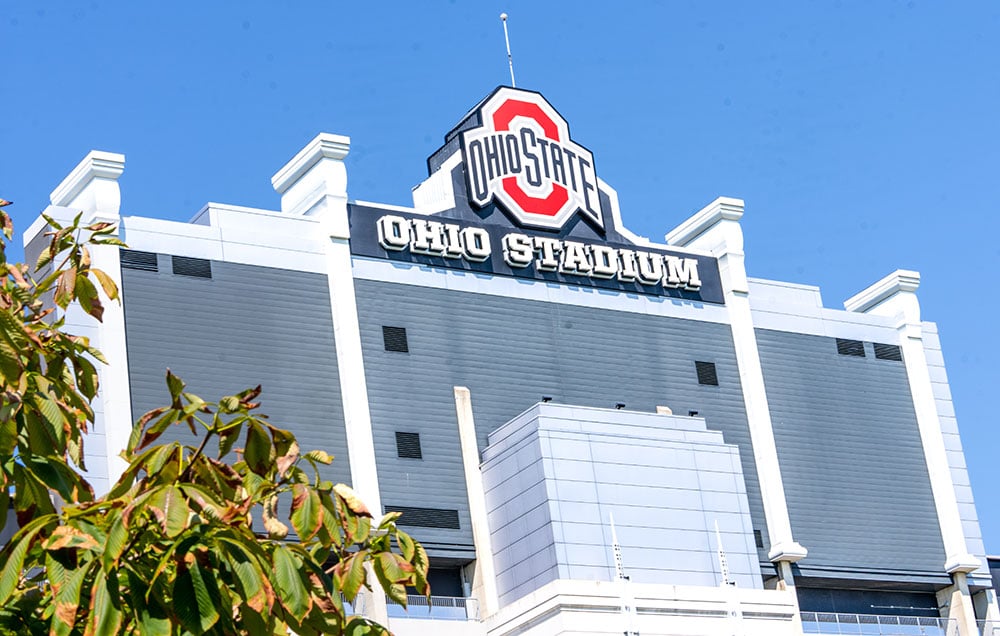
534	208
523	158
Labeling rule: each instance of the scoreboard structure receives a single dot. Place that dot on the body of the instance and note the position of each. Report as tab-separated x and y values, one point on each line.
591	432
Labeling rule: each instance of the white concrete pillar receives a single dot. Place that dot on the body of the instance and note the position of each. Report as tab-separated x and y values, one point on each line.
716	230
955	602
895	296
314	183
92	189
484	579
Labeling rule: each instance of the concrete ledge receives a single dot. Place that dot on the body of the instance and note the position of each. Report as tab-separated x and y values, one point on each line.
722	209
901	280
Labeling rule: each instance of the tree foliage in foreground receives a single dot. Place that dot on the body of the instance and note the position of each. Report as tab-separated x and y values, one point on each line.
187	541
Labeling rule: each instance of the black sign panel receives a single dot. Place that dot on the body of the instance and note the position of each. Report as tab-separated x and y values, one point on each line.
683	275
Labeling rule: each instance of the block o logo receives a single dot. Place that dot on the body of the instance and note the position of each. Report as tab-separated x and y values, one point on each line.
522	157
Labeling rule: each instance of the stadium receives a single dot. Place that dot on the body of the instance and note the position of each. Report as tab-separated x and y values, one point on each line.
590	431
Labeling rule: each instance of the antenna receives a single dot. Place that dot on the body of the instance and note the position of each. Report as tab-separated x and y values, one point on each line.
510	60
723	561
627	599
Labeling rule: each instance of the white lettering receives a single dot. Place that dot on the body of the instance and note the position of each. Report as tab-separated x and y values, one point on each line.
517	250
682	272
574	259
548	253
427	238
650	267
393	232
476	244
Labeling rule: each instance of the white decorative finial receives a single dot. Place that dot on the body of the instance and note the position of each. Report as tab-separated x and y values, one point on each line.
510	60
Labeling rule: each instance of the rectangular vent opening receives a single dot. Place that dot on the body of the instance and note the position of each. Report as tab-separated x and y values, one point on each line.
144	261
193	267
408	445
426	517
395	339
850	347
888	352
758	538
706	373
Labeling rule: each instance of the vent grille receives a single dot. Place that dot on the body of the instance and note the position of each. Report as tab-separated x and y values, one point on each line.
706	373
193	267
887	352
758	538
395	339
850	347
408	445
426	517
144	261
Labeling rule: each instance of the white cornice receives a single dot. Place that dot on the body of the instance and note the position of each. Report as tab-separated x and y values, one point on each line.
722	209
97	164
323	146
901	280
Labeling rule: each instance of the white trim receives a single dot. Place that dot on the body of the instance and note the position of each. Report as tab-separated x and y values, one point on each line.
716	227
894	296
527	289
96	165
322	146
901	280
485	577
721	209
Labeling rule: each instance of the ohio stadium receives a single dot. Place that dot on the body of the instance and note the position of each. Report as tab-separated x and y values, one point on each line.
591	432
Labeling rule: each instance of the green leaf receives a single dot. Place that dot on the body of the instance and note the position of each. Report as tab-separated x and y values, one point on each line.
66	287
86	294
14	553
258	451
193	603
105	617
108	285
288	581
307	512
174	384
353	574
406	545
67	601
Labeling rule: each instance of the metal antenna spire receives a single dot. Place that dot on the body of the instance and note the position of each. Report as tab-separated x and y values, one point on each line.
723	561
510	60
627	600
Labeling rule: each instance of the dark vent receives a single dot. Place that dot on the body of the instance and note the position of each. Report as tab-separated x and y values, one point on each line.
408	445
194	267
145	261
395	339
850	347
887	352
426	517
758	538
706	373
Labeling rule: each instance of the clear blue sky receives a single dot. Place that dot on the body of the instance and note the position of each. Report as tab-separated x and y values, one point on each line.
864	136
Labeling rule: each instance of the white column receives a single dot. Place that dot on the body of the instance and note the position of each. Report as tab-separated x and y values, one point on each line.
716	230
314	183
92	188
895	296
484	583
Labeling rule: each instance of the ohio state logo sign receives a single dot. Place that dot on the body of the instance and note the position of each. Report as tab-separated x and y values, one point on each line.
523	158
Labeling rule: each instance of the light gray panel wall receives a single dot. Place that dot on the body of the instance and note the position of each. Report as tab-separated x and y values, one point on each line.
854	473
667	485
510	352
246	326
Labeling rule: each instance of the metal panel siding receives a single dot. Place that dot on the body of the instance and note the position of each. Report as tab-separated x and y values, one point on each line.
851	458
246	326
510	352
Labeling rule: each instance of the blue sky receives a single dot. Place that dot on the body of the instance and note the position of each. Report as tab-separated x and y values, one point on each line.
863	136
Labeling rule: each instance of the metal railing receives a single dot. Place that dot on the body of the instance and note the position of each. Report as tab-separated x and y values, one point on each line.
453	608
989	628
875	625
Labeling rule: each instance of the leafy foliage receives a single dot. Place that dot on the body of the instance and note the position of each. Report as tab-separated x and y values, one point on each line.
186	542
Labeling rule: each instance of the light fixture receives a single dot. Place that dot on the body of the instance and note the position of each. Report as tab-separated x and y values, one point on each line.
619	405
546	398
692	413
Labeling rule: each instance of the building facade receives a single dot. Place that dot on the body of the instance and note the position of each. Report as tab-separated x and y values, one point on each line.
589	431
